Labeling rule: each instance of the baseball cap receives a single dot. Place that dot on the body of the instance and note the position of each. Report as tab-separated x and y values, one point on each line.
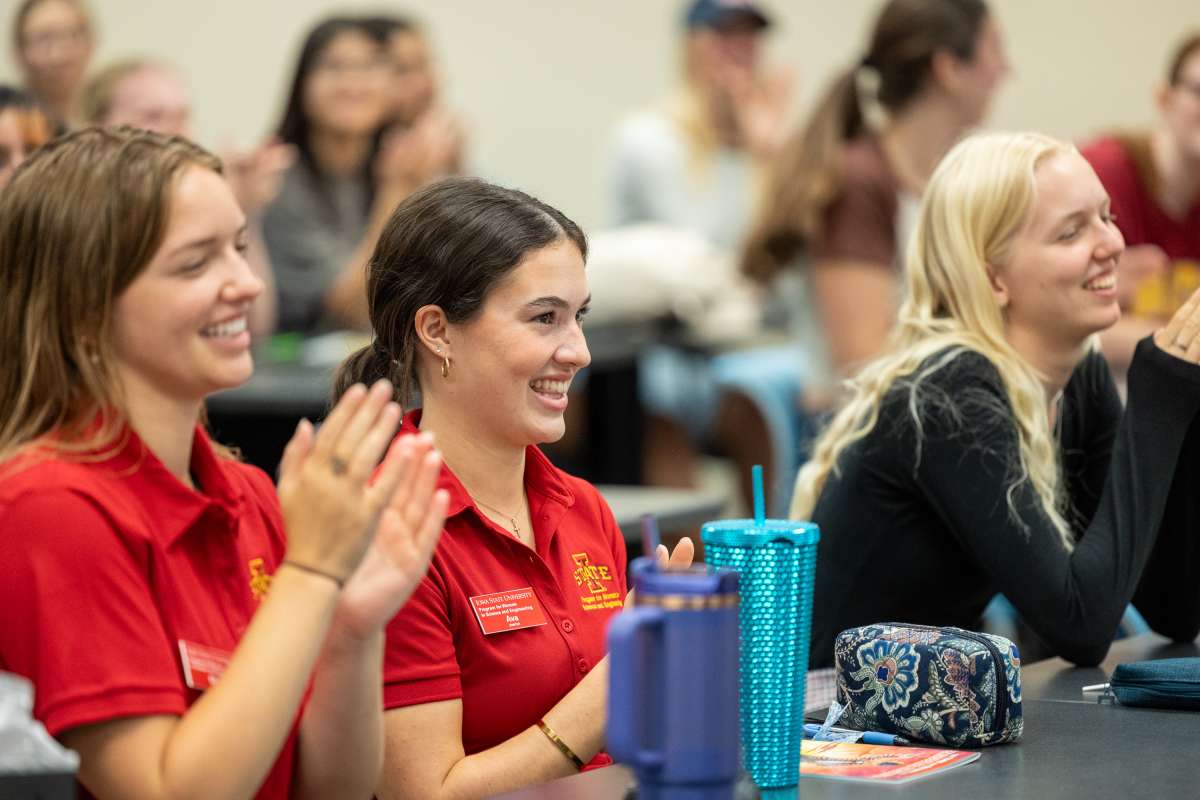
717	13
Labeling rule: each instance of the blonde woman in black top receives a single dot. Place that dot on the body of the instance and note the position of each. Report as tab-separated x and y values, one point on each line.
987	451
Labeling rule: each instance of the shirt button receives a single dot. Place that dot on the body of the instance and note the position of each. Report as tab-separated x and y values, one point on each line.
568	626
583	666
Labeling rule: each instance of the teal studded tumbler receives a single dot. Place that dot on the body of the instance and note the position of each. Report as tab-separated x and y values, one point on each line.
776	561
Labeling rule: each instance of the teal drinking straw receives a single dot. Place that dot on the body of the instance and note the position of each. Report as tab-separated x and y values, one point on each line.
760	501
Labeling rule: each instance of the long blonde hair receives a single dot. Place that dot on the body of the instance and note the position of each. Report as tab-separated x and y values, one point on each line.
79	222
978	199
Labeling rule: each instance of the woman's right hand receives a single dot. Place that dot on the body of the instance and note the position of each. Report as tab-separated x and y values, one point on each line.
405	538
1181	336
330	505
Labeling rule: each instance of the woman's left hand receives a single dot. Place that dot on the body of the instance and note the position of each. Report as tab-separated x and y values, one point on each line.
407	533
1181	336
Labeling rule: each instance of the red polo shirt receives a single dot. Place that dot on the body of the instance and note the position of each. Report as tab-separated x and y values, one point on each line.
507	680
105	566
1127	171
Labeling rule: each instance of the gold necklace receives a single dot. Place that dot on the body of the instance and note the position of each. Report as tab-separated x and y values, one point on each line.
511	519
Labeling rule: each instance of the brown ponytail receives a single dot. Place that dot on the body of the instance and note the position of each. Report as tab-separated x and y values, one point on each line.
806	177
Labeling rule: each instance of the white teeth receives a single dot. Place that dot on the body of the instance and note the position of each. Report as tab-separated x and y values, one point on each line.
1101	284
550	387
231	328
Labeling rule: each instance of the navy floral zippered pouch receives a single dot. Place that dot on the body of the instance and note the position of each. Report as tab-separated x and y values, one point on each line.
945	686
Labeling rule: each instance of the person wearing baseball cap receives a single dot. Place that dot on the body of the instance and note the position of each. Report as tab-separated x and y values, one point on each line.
694	162
724	13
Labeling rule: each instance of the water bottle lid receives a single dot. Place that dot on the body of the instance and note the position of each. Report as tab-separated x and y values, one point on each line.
745	533
698	579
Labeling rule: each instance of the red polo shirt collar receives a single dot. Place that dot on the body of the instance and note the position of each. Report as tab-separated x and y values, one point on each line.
549	497
178	507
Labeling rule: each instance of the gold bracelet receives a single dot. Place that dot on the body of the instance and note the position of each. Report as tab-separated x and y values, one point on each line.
560	744
287	562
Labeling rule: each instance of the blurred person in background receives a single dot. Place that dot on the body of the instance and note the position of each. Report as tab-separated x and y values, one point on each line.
152	95
415	95
694	163
53	43
842	197
1153	178
349	174
24	127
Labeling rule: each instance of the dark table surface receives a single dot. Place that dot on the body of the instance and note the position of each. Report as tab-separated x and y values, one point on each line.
1072	747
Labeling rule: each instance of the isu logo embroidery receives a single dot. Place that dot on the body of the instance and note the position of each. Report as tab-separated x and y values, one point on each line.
260	581
587	575
595	582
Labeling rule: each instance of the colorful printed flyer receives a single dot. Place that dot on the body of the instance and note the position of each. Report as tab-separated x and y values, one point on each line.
876	763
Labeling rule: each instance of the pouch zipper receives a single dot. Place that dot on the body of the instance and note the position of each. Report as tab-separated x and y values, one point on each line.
997	660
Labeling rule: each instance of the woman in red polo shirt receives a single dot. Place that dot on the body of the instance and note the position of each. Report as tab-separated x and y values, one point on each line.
188	633
495	672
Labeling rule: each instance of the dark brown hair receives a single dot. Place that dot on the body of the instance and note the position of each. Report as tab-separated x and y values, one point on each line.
806	177
80	220
1183	53
448	244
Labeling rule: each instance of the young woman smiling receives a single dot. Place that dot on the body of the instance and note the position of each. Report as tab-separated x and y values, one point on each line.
173	614
495	672
987	451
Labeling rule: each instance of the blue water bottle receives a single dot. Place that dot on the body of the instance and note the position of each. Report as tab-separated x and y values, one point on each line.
673	685
776	562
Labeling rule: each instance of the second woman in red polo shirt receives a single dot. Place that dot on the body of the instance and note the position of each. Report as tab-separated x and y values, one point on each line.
495	672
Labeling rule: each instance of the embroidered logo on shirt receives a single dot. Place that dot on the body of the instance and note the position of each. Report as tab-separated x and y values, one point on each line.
260	581
595	580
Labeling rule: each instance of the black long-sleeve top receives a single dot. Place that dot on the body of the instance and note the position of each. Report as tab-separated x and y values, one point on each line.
918	528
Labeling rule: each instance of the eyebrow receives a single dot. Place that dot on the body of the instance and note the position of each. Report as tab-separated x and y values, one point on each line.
208	241
553	301
1081	213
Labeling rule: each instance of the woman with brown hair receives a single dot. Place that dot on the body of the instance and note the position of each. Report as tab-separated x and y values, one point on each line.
477	296
173	613
54	41
1153	178
844	190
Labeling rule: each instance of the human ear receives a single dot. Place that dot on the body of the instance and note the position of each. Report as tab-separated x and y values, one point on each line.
946	68
999	287
1162	97
432	329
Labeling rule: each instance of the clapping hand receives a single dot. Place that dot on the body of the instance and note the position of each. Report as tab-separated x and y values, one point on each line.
408	531
330	503
1181	336
255	176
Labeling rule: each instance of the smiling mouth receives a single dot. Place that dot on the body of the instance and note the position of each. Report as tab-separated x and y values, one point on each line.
1102	283
226	329
552	388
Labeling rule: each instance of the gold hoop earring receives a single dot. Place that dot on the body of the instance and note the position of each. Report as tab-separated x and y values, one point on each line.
446	367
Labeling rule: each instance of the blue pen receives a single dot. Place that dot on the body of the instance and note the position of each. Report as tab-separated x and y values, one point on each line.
867	737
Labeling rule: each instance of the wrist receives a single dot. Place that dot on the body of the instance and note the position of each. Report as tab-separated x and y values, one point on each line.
314	572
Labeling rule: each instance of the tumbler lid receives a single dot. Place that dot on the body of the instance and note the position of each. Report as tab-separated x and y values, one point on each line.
699	579
747	533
